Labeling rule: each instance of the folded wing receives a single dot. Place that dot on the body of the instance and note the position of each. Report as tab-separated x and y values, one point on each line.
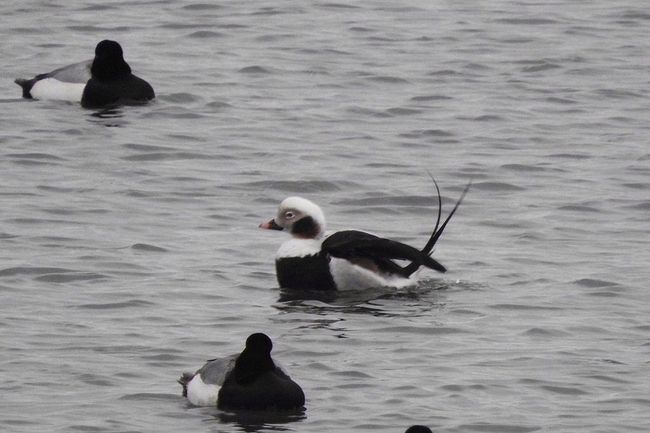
369	250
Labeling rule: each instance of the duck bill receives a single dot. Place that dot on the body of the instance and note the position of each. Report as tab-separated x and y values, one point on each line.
271	225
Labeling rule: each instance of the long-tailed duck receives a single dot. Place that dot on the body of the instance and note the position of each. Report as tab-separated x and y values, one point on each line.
349	259
249	380
104	81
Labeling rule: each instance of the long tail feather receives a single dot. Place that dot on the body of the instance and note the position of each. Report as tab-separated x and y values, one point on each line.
435	229
437	232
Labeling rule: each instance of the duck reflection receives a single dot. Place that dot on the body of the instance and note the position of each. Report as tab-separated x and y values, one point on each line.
422	298
109	117
254	421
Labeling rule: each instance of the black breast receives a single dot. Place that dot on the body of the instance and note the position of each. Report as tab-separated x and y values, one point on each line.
305	273
270	390
128	91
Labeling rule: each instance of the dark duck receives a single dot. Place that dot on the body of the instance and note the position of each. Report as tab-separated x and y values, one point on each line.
105	81
250	380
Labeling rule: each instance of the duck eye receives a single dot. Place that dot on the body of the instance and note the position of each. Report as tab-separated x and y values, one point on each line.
289	215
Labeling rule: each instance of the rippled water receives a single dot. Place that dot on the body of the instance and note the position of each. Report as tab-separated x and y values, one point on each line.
130	244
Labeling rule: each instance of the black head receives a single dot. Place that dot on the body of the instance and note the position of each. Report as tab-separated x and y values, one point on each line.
109	62
418	429
107	48
255	358
259	343
257	384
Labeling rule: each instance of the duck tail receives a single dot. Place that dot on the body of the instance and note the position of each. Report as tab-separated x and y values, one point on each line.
26	85
438	229
184	380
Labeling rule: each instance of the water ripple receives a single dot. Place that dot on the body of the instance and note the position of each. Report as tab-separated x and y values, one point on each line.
137	303
27	270
499	428
255	69
148	248
496	186
69	277
594	283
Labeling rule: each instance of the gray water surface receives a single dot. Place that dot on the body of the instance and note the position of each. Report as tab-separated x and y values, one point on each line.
130	247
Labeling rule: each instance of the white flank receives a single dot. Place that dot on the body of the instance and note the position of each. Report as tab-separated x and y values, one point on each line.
348	276
51	88
200	393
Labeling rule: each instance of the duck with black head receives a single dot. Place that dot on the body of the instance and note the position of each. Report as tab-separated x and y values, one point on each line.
104	81
418	429
250	380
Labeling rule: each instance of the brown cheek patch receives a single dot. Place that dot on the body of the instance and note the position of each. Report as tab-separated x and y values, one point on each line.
305	228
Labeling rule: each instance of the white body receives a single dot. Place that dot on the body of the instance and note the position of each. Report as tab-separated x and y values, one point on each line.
214	372
200	393
51	88
348	276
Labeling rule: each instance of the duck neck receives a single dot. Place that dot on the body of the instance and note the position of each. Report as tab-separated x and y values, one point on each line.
251	365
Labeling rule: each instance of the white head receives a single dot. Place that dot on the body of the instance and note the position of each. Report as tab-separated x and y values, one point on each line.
300	217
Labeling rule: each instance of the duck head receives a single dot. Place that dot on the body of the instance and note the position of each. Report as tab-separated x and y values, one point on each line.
300	217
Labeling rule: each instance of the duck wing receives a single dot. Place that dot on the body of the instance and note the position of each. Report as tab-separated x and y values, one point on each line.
366	249
214	372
